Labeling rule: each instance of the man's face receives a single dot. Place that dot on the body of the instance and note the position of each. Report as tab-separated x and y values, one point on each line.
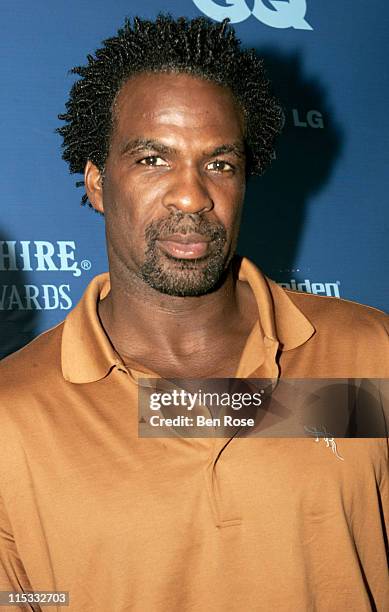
174	182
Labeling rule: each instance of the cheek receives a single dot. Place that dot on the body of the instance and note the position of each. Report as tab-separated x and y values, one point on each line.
130	206
230	209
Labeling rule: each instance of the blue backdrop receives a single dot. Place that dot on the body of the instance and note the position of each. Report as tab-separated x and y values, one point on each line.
316	221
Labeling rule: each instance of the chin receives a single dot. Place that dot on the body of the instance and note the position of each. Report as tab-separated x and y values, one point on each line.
185	277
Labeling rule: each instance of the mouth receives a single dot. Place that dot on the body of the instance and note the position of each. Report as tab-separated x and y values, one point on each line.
185	246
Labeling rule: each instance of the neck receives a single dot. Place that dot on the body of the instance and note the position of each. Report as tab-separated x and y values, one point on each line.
138	318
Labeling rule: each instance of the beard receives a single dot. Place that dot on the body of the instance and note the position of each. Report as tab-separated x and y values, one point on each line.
184	277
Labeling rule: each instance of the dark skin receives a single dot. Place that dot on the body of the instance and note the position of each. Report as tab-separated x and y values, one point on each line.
179	149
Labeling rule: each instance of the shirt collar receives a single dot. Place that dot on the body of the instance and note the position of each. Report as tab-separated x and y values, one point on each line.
279	317
87	354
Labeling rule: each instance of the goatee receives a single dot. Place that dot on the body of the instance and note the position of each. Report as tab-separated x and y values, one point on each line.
184	277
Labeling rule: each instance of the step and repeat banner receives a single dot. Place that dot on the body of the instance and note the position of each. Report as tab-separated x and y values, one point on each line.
317	221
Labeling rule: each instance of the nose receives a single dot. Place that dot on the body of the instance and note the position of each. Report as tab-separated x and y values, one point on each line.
187	193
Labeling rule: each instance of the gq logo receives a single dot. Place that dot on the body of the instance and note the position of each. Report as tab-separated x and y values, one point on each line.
289	14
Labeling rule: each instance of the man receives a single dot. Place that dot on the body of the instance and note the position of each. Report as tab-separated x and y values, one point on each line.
166	121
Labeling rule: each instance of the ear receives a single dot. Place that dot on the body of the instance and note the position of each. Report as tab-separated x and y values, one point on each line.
94	186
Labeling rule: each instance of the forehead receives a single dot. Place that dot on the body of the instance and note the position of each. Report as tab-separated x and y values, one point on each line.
179	103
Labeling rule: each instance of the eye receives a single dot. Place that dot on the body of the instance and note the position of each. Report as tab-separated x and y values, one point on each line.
220	165
152	160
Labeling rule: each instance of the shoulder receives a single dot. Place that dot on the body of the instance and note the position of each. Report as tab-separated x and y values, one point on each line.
340	315
35	365
350	340
30	388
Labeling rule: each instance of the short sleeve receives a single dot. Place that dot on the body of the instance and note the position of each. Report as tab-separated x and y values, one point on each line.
12	574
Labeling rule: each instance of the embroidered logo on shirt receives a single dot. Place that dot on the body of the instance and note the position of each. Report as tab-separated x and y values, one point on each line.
329	441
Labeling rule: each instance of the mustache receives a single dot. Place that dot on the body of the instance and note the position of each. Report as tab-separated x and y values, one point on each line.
181	223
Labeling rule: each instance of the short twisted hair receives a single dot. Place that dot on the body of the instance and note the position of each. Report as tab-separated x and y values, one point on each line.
199	47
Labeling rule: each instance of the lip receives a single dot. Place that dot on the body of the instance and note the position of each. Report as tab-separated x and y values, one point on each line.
185	246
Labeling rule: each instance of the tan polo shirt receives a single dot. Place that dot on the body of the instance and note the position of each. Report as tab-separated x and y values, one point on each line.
179	524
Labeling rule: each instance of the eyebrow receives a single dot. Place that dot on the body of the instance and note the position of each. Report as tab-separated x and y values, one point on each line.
237	148
143	144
